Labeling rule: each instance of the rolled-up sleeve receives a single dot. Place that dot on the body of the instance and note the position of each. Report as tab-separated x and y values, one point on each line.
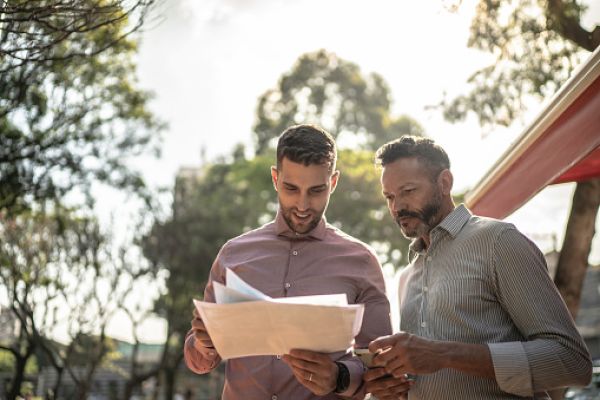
552	354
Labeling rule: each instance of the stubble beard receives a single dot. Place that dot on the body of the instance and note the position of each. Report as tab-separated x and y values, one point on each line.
428	218
305	228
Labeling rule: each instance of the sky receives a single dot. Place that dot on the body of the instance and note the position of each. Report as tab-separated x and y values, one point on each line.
208	61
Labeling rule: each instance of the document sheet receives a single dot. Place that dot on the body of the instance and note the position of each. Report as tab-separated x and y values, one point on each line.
245	322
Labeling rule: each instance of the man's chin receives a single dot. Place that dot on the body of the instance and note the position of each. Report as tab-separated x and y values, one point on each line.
302	228
412	232
409	234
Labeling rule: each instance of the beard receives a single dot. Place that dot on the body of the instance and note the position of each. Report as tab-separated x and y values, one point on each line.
301	225
427	216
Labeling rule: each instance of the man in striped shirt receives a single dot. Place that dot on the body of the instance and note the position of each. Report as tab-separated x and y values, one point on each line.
480	317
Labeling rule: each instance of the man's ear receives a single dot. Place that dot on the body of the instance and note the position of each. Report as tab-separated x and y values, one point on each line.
334	180
446	180
274	176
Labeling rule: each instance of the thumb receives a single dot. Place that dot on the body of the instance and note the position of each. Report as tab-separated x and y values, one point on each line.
382	343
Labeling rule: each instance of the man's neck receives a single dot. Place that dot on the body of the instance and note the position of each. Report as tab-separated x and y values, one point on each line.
445	210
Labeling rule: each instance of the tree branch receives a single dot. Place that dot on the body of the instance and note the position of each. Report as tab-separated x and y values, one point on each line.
569	27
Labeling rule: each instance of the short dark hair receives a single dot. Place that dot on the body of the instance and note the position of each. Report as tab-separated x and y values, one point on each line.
432	155
307	144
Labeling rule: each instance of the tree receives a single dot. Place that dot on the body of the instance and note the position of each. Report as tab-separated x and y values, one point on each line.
70	108
59	269
537	44
331	92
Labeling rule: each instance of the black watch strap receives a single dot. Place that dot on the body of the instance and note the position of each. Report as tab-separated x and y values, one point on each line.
343	378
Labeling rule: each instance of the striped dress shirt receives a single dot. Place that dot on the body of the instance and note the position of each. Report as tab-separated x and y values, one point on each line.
481	281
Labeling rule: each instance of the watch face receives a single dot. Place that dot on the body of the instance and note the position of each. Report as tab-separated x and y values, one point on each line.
343	379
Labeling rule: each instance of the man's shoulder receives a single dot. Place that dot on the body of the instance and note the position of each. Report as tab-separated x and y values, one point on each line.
482	225
335	235
267	231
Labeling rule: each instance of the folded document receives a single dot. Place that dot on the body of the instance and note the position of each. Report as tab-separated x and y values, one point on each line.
246	322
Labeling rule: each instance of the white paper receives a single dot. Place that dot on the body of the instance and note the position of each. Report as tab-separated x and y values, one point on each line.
246	322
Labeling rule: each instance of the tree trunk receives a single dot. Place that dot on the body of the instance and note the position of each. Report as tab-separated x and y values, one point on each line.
170	378
18	377
573	259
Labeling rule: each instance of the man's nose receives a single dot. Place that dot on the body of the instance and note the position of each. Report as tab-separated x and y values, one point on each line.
398	206
302	204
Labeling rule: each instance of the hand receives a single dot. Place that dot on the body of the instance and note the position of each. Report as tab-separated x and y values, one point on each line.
404	353
384	386
314	370
202	339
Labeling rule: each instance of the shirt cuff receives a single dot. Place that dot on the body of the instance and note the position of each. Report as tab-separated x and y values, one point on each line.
356	370
511	368
202	359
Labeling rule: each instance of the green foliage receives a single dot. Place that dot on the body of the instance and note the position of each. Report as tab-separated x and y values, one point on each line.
358	208
211	205
70	108
326	90
536	45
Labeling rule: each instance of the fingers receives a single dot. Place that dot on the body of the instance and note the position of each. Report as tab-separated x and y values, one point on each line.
314	370
382	343
202	338
389	387
302	367
310	379
396	367
309	361
373	374
198	324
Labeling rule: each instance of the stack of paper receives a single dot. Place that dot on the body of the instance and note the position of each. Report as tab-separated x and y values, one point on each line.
245	322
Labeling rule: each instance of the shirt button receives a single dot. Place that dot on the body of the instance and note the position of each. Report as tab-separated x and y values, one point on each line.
423	324
287	285
295	252
274	397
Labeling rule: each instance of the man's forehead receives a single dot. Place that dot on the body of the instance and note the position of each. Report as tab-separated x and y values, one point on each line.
297	173
404	171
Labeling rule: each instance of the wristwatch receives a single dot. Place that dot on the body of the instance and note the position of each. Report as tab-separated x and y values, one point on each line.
343	378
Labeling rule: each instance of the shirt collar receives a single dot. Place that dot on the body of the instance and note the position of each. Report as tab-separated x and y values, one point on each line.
452	224
454	221
284	230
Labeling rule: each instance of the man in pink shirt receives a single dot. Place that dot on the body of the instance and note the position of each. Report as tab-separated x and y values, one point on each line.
298	254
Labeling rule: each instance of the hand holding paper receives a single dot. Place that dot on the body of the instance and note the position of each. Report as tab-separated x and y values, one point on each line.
246	322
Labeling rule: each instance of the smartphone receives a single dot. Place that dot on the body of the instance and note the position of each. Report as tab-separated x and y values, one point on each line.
365	356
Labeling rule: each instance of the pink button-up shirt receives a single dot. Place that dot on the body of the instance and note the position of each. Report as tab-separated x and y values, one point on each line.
281	263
